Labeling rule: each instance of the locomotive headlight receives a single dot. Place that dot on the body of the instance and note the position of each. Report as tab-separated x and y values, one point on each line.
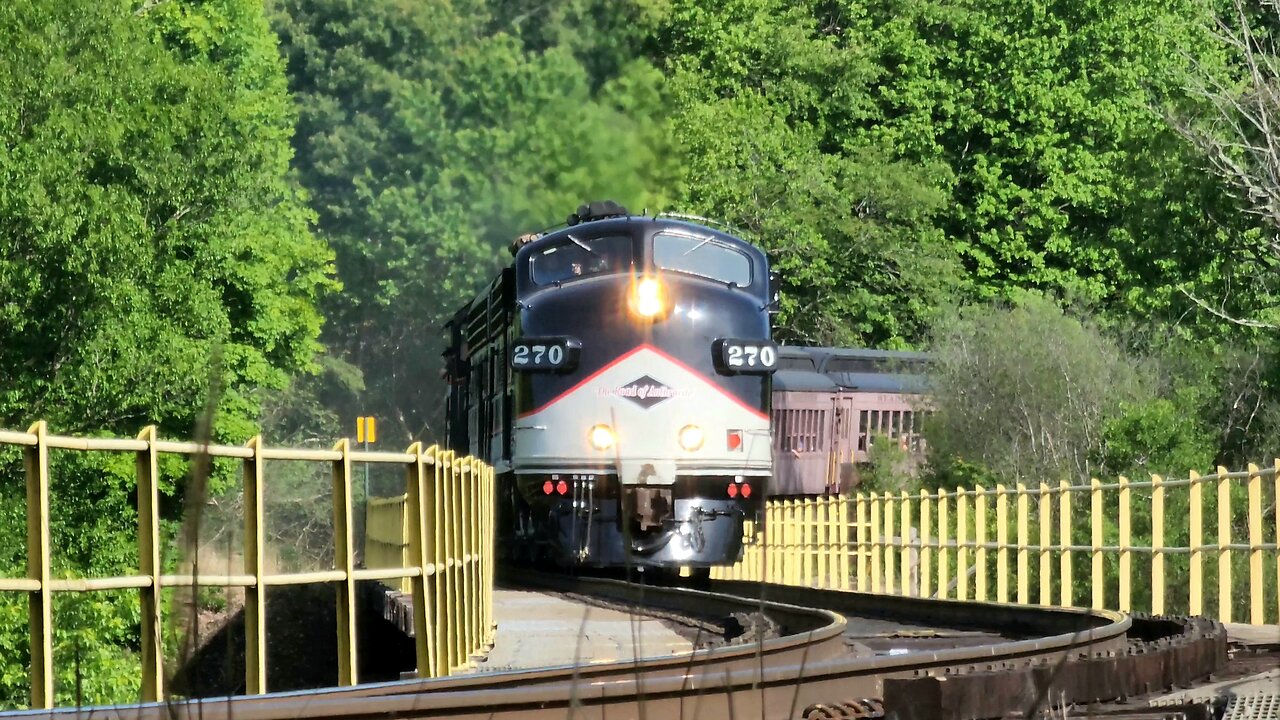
691	437
601	437
648	300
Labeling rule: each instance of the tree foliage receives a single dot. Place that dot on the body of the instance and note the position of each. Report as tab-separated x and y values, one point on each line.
1234	129
1030	393
772	106
429	136
147	216
1065	180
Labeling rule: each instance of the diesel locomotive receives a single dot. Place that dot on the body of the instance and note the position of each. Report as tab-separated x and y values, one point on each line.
617	376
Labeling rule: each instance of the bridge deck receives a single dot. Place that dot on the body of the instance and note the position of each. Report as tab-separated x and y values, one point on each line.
547	629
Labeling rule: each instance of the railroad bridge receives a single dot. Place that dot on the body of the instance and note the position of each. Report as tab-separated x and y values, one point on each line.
1104	547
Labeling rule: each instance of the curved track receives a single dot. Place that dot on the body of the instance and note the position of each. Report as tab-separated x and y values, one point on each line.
813	669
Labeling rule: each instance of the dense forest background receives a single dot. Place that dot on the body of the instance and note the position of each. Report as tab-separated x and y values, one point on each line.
263	214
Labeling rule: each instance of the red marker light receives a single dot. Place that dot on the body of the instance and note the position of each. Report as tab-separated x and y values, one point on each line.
547	488
562	487
732	490
734	440
746	490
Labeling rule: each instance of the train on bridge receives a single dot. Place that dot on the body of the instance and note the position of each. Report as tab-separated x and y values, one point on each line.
619	376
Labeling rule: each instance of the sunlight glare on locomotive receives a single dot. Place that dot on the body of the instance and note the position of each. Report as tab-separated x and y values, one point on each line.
649	301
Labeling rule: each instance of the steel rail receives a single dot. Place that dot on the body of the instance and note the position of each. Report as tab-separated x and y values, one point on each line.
776	678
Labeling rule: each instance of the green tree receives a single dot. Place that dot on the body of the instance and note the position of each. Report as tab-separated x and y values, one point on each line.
1029	393
1064	178
147	217
1233	131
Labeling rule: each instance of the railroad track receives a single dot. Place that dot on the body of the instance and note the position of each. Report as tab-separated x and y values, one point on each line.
954	660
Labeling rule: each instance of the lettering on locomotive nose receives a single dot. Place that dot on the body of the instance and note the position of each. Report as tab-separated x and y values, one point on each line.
644	391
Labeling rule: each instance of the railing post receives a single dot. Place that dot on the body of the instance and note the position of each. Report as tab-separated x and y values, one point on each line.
1002	540
420	507
835	548
926	549
806	542
490	548
471	595
980	528
456	529
1157	545
782	544
1275	479
1126	538
906	566
829	507
890	552
444	557
1024	539
149	565
877	559
790	543
1046	539
1098	579
1195	519
344	559
39	602
816	512
1256	613
842	528
814	517
255	597
962	544
475	604
453	519
1065	591
1224	541
768	538
863	530
944	553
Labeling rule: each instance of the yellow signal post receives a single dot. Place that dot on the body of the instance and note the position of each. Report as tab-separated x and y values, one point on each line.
366	429
366	432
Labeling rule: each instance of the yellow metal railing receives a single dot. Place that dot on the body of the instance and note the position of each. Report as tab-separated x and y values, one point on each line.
447	516
1144	543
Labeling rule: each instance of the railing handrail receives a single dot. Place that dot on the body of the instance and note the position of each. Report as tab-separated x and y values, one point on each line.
444	559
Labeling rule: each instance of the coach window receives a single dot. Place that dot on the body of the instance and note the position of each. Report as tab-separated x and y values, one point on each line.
576	257
703	257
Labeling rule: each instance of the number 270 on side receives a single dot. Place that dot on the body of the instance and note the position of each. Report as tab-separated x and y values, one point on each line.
549	353
746	356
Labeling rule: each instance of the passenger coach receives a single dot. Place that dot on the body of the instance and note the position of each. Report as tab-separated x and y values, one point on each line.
617	376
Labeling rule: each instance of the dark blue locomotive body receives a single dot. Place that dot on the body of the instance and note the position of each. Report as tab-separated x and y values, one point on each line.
617	376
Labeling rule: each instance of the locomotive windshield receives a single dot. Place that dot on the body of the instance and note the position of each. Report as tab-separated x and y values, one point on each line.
580	257
703	257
